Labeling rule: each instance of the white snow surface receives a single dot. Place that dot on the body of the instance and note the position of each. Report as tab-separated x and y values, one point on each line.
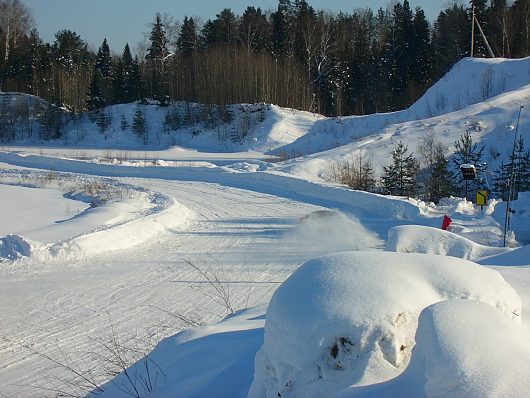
84	287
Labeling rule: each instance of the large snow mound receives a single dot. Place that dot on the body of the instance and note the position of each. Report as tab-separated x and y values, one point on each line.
350	318
459	354
428	240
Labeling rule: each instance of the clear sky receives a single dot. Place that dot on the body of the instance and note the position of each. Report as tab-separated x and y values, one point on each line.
123	21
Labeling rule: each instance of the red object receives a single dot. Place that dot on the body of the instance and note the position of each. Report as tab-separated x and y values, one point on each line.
447	221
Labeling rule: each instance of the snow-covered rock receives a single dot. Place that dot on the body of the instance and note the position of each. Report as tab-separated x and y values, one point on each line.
350	318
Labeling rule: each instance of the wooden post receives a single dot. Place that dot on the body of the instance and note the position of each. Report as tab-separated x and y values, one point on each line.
472	29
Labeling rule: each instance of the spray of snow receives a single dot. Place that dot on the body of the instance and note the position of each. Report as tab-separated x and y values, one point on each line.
328	231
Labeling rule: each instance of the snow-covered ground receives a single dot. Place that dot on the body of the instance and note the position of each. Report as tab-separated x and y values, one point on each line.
112	255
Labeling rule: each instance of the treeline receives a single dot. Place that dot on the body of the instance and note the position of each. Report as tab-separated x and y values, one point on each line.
434	172
294	56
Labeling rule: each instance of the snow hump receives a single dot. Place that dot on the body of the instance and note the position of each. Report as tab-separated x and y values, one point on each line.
350	319
428	240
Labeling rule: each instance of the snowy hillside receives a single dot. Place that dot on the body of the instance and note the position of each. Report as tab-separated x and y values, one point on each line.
209	257
491	117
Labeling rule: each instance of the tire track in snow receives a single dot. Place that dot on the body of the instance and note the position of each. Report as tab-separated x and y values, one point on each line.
62	308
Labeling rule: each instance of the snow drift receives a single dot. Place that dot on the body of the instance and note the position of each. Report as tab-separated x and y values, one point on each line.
428	240
350	318
458	354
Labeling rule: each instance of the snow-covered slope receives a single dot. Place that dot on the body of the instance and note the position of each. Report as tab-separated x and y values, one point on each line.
491	118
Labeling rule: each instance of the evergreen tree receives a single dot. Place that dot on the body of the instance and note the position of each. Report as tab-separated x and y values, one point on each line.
516	173
132	79
118	83
442	179
467	152
402	47
253	30
282	30
103	66
435	177
451	35
156	58
421	68
7	128
103	120
399	178
187	42
124	125
139	125
95	100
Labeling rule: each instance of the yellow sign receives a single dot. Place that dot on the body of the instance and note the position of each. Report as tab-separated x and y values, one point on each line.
482	197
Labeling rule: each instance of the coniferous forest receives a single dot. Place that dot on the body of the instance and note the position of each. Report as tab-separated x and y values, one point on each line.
295	56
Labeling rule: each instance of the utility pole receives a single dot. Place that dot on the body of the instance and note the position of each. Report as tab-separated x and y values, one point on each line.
510	181
474	20
472	28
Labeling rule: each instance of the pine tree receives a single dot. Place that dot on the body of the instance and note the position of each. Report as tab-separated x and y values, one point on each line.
139	126
103	120
132	79
95	100
187	42
103	66
467	152
253	30
156	57
421	67
124	125
282	30
118	82
515	173
442	179
399	178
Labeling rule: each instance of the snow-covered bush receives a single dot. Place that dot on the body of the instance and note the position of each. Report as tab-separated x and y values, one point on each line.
351	318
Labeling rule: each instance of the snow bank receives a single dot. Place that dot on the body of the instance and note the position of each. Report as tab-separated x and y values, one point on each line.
119	215
350	318
124	235
520	219
464	349
516	257
213	361
428	240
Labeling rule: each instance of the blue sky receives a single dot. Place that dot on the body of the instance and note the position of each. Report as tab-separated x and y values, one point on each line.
124	21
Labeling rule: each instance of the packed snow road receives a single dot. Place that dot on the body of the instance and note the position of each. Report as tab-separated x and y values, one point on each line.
60	317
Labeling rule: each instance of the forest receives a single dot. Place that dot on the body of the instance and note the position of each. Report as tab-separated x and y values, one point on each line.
294	56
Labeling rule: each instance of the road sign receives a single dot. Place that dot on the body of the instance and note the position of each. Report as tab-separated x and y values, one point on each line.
482	197
469	172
